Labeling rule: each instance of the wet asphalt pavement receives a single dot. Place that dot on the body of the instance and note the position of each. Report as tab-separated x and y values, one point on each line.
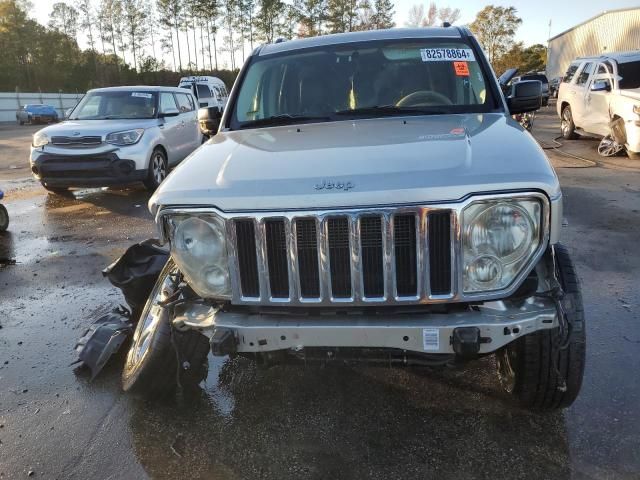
292	422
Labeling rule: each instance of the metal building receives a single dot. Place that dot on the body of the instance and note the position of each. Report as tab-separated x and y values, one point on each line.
611	31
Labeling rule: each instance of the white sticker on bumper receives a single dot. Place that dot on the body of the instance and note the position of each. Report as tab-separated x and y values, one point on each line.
431	339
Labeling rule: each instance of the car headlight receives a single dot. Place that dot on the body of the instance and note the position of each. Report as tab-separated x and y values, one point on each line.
499	237
198	247
128	137
40	139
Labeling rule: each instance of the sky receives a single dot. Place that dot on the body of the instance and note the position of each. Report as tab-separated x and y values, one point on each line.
535	14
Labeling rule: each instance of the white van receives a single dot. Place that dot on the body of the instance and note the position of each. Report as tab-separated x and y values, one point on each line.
210	91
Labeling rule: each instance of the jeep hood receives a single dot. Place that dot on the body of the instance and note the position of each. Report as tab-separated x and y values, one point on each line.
382	161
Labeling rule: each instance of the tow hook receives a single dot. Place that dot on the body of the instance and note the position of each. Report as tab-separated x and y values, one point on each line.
466	341
223	342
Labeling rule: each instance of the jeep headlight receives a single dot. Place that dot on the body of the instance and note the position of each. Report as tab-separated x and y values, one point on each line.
198	247
40	139
128	137
499	238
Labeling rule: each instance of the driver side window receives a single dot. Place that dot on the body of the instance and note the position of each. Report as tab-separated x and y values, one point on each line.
167	102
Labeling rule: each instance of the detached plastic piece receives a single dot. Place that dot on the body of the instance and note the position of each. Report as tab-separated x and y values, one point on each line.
223	342
136	272
102	339
466	341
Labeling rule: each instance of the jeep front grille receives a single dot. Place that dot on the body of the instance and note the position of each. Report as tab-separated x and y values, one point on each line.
397	256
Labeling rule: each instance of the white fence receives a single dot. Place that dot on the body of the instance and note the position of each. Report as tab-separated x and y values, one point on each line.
12	101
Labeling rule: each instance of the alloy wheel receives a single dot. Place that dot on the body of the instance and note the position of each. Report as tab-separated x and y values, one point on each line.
565	125
159	168
608	147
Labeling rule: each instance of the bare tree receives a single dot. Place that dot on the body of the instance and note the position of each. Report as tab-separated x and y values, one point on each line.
415	17
449	15
432	15
87	21
170	12
64	18
135	25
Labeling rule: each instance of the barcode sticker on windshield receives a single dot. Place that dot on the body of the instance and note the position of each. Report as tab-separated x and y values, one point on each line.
141	95
431	339
447	54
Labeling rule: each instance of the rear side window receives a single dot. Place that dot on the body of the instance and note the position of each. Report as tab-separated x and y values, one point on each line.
185	104
571	71
585	74
203	91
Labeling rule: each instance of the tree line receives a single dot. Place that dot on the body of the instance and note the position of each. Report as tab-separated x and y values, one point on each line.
128	40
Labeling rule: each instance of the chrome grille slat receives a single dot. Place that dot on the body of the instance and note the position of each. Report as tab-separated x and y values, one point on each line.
388	257
263	269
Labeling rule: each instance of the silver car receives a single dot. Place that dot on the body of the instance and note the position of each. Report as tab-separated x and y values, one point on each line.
117	136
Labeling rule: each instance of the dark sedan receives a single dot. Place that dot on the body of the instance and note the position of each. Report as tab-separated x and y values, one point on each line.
37	113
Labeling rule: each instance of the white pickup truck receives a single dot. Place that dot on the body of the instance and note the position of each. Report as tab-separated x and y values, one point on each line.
601	96
367	197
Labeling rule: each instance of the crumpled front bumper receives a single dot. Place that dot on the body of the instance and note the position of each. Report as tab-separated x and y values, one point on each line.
499	323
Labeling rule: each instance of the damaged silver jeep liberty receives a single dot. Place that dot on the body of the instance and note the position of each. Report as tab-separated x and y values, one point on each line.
367	197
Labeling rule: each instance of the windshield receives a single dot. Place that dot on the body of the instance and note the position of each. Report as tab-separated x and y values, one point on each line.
371	79
122	104
629	73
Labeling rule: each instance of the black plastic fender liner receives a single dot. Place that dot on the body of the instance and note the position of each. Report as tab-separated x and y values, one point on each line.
135	273
102	339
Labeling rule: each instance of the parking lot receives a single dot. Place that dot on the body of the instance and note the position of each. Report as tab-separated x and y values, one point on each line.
291	422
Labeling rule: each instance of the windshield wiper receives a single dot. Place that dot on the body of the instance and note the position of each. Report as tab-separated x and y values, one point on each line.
284	119
393	110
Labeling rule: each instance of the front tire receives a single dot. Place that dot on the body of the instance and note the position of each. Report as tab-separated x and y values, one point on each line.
158	169
567	127
535	369
151	367
4	218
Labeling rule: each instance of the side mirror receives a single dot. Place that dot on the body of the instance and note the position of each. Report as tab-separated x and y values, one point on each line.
172	112
526	96
601	86
209	120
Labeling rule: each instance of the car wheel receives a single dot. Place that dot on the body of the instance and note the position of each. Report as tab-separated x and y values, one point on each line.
20	122
158	169
4	218
151	367
608	147
567	126
539	371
